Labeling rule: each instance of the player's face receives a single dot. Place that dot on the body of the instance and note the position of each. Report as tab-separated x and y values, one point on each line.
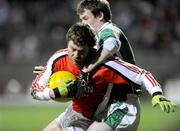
88	18
77	53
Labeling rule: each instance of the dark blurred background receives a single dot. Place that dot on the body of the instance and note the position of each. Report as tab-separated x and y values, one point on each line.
32	30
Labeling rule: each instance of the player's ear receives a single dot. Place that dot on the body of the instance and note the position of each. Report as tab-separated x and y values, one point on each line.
101	16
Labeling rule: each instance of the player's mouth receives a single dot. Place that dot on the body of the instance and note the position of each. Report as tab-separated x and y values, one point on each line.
77	61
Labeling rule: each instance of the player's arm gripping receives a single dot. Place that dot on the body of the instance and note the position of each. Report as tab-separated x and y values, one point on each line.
65	89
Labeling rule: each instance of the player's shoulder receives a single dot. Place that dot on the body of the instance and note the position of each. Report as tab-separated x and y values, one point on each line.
58	54
65	50
112	26
109	30
61	52
106	33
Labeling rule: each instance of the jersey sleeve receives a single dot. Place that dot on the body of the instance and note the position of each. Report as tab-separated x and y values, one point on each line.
110	41
106	33
135	74
112	45
40	83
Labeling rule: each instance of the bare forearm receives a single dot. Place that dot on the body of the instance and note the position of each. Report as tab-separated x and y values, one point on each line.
97	60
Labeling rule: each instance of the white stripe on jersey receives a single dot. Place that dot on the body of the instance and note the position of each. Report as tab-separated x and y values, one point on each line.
136	75
41	80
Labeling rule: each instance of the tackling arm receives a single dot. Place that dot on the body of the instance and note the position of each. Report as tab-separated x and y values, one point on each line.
144	79
108	49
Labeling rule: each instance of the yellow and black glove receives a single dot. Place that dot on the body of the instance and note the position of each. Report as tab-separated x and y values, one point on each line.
166	105
66	89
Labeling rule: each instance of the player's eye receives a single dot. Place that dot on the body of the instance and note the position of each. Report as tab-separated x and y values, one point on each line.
81	51
85	18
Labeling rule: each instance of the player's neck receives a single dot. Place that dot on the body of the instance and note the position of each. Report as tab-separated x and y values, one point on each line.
102	26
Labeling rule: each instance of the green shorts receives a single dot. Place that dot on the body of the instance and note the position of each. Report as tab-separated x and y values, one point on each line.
124	115
115	114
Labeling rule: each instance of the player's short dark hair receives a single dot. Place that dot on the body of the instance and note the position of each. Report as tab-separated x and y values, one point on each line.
81	34
96	7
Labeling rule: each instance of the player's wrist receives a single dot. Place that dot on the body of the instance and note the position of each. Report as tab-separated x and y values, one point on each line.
52	94
156	93
57	92
84	70
46	94
68	91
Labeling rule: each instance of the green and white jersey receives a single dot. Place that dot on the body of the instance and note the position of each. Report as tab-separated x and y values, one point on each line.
109	33
113	39
108	30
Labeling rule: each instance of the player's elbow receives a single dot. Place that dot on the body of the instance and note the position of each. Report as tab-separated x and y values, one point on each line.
112	45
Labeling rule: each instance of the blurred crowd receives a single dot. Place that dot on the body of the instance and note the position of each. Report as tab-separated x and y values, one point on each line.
150	24
31	27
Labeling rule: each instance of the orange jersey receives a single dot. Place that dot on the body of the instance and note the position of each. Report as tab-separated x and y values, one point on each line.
116	72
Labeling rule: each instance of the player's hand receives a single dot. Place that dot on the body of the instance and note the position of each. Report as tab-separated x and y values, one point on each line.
43	95
166	105
83	85
66	89
33	93
37	69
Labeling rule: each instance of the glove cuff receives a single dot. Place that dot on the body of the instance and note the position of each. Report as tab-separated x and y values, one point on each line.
156	93
56	93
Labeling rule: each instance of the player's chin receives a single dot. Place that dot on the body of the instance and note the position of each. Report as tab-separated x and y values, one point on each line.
77	62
